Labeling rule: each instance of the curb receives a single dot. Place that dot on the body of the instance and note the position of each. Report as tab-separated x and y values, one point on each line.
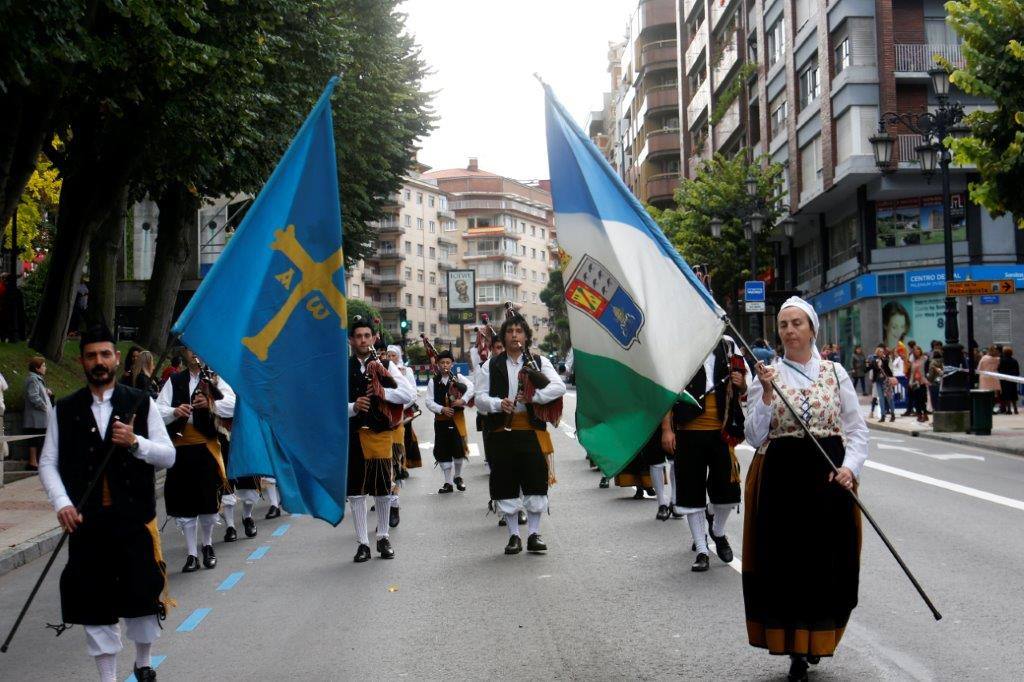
956	439
41	545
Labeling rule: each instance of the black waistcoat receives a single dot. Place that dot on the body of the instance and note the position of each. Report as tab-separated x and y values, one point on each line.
202	419
358	384
498	372
698	384
81	451
441	391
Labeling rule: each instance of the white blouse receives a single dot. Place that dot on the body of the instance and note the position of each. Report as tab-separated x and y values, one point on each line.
855	430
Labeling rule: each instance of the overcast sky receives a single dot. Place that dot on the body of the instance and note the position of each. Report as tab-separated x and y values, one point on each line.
484	53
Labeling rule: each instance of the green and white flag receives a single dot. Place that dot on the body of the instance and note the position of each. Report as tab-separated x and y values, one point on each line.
641	322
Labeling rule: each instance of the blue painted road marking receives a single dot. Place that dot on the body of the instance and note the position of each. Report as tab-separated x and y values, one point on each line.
193	621
259	553
281	531
155	662
230	581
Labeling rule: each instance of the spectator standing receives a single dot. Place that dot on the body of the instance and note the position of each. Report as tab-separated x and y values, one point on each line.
4	451
762	352
142	374
990	363
883	379
858	370
898	365
170	369
1007	365
129	366
919	384
935	370
38	399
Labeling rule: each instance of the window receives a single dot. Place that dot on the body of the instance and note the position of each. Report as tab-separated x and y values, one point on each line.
776	42
542	233
810	87
843	241
938	32
419	198
419	275
433	303
533	254
780	111
433	278
419	301
804	10
420	326
433	227
430	201
408	221
355	291
810	169
419	223
808	261
433	329
387	247
450	226
543	257
419	249
892	283
533	275
408	247
408	274
842	55
522	250
408	299
533	230
432	253
408	195
525	298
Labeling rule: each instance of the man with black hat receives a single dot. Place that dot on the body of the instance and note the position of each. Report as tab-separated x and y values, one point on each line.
115	568
192	403
450	436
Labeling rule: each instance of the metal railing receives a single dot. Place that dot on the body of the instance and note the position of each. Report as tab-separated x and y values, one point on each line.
497	205
918	58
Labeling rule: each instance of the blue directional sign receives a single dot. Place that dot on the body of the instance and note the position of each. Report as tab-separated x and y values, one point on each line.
753	292
989	299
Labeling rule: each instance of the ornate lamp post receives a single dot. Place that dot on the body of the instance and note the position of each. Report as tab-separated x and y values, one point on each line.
934	128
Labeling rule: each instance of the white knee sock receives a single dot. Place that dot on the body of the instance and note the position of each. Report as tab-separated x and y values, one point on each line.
699	530
672	480
357	504
383	505
722	512
394	501
227	509
458	466
206	524
107	665
189	529
532	522
142	654
272	495
247	507
512	521
448	469
658	478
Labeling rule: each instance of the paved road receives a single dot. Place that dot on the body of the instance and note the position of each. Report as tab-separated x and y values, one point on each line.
614	597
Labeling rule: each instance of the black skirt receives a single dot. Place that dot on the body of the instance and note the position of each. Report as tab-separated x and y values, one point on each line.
194	483
801	549
705	470
518	465
112	571
448	443
413	458
367	476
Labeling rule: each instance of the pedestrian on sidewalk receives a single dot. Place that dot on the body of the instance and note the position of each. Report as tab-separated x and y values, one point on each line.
4	450
919	384
858	370
899	364
1008	389
128	378
115	566
799	602
883	379
142	374
936	368
990	363
38	399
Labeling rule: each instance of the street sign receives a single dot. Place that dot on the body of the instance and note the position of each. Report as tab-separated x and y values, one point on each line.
461	287
980	287
989	299
754	306
753	292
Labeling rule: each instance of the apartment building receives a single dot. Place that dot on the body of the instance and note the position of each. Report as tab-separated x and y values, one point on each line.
805	82
415	243
504	231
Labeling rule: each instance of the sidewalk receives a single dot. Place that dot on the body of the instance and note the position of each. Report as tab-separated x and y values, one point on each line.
1007	431
28	524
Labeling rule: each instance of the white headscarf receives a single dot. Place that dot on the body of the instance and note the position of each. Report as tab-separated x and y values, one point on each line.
397	350
797	302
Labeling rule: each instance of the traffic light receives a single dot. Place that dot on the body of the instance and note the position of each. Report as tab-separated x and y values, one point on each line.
403	321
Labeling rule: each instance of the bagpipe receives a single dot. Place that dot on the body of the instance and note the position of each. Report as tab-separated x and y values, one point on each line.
532	378
454	392
203	419
382	415
484	337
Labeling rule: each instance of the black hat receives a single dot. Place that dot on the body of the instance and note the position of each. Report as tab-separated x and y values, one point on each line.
97	333
445	355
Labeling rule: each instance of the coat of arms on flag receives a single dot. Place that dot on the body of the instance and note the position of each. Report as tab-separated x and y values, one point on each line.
593	290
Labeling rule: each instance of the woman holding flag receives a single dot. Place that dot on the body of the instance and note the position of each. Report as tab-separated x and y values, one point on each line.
798	600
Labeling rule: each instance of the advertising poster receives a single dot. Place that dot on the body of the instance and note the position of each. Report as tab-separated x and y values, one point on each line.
918	220
917	318
461	296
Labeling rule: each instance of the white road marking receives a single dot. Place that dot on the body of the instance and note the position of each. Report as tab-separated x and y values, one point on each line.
568	430
944	457
426	445
887	440
946	485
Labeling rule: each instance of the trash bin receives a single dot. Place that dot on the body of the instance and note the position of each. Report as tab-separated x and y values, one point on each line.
982	403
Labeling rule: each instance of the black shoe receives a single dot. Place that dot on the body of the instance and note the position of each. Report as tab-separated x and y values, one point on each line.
460	484
639	494
191	564
393	517
209	558
663	512
797	669
145	674
535	544
522	518
722	548
650	492
604	483
230	535
402	474
445	489
892	417
814	660
362	554
501	521
514	546
700	564
273	512
250	527
384	549
676	514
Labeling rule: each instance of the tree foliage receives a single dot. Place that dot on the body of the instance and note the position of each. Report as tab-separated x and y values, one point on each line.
553	296
37	209
992	32
719	191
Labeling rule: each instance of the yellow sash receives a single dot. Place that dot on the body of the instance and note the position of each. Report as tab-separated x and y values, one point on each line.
375	445
521	422
191	436
398	435
708	421
158	555
460	425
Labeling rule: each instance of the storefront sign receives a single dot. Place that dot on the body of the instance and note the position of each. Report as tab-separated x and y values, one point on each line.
918	220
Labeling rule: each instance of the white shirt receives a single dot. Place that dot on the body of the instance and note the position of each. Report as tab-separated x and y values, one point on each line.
224	408
436	407
156	450
897	366
410	379
474	359
855	431
709	367
488	404
404	394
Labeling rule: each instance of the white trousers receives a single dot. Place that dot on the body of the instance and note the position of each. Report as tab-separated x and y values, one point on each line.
106	639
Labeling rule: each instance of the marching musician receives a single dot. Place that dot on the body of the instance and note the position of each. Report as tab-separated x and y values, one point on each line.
447	396
190	403
518	441
400	436
370	435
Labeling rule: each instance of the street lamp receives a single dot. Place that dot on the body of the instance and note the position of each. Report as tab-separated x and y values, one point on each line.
789	227
934	128
716	228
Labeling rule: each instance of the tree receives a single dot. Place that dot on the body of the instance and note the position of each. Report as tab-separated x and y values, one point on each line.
719	191
553	296
36	210
993	51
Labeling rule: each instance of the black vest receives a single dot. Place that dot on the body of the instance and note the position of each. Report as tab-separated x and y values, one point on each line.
498	371
441	391
358	384
81	451
202	420
698	384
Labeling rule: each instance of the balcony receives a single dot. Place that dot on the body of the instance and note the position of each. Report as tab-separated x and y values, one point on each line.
665	141
387	305
504	278
444	238
390	228
912	58
371	278
729	58
390	256
552	245
661	188
698	103
659	55
444	264
483	254
657	13
491	231
394	200
662	96
498	205
719	9
446	213
390	280
729	124
689	6
695	49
